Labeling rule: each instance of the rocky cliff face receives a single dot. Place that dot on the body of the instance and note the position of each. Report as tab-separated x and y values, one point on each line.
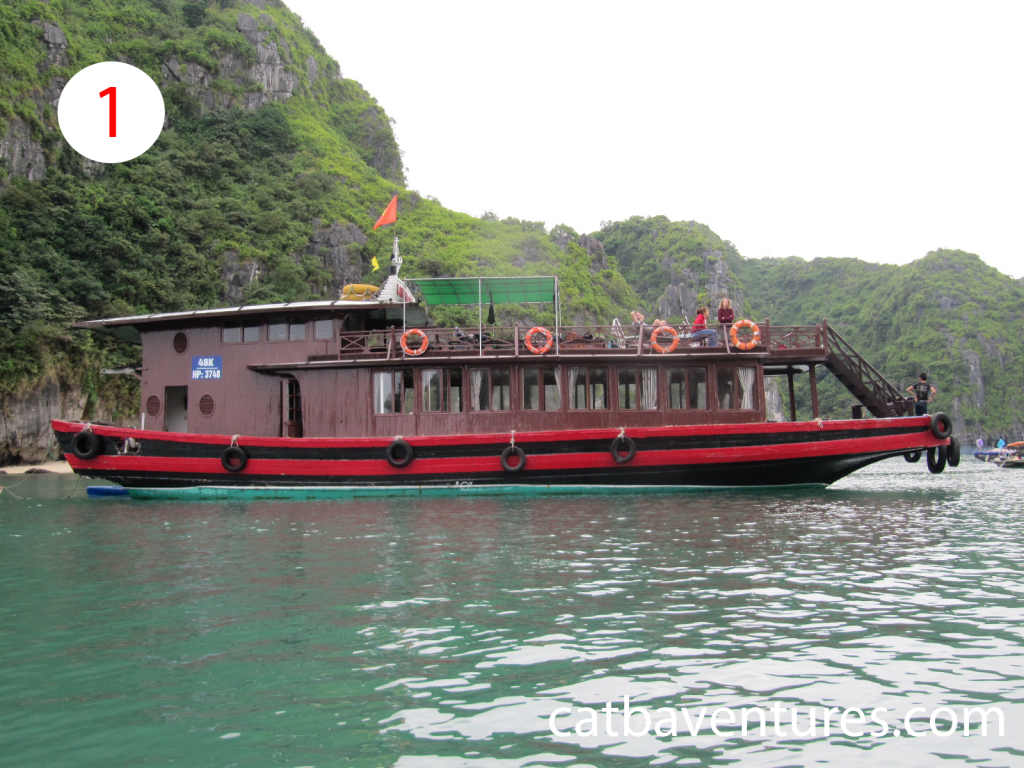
27	436
267	79
710	285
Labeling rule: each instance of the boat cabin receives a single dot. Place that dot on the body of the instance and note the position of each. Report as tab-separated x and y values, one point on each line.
354	368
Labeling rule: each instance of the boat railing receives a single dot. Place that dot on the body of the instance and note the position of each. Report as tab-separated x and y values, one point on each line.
615	339
796	337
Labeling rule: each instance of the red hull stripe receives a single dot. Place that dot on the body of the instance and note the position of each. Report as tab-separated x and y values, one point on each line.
603	460
867	425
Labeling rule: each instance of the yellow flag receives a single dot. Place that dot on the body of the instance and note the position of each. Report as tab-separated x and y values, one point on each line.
376	266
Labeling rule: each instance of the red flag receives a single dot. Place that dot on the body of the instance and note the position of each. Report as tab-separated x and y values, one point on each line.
390	214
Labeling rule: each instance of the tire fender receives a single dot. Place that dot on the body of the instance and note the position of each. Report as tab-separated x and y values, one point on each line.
399	454
937	459
513	449
616	447
941	427
234	459
87	445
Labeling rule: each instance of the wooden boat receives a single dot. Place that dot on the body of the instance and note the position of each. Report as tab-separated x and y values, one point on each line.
988	456
1011	457
364	396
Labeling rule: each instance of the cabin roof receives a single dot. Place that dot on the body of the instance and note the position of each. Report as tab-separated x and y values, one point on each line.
128	328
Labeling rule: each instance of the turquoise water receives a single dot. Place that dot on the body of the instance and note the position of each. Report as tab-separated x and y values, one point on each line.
443	632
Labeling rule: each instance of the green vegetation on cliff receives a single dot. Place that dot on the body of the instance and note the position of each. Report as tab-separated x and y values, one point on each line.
948	314
273	167
263	187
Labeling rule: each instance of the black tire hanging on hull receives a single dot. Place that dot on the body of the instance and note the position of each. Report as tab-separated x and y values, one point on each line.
912	458
404	458
941	426
616	446
519	452
937	459
234	459
87	445
953	452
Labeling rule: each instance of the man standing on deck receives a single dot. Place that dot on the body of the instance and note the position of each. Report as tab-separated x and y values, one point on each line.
924	393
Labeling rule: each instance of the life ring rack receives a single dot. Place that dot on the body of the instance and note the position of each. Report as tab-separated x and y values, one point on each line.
672	346
745	345
546	346
415	351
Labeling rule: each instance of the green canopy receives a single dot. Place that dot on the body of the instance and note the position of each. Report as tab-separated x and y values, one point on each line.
486	290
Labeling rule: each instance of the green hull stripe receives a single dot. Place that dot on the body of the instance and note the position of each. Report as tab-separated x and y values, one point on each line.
299	493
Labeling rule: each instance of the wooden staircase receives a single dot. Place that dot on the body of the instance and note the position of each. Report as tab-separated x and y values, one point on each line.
869	386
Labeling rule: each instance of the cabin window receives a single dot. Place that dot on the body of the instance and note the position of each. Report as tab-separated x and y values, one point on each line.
231	333
588	389
638	388
235	332
687	389
736	387
393	391
277	330
491	389
323	328
286	330
541	389
442	390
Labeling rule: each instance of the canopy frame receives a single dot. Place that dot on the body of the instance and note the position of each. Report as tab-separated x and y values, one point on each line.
447	291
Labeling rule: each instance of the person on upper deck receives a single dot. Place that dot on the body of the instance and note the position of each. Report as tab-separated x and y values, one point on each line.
700	327
725	313
923	394
638	323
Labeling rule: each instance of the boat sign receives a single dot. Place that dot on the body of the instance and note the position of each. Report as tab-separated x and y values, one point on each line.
206	367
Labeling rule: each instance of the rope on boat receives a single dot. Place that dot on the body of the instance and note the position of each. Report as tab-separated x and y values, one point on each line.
234	441
622	432
513	441
820	423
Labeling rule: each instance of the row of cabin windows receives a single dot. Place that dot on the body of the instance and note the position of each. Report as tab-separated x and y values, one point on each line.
590	388
285	329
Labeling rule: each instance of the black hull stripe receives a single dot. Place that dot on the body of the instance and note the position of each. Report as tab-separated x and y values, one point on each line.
801	471
175	449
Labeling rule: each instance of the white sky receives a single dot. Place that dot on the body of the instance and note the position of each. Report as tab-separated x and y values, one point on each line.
877	130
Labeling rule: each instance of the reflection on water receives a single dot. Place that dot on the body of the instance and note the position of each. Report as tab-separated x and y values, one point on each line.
444	632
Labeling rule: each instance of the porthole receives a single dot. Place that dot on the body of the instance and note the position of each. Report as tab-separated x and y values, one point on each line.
180	342
206	406
153	406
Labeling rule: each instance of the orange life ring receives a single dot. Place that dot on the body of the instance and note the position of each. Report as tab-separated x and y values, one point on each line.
547	344
745	345
672	345
414	352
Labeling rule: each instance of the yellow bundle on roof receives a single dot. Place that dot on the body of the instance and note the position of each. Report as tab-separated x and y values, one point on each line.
357	292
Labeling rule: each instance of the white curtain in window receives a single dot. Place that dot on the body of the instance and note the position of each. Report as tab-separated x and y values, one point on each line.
556	405
649	389
573	375
382	392
476	382
747	383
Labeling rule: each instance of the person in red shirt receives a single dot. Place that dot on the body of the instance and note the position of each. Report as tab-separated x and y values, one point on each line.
725	314
700	327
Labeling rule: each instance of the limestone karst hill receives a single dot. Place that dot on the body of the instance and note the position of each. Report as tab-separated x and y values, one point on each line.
265	184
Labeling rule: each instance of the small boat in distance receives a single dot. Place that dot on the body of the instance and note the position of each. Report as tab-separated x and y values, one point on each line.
363	395
988	456
1011	457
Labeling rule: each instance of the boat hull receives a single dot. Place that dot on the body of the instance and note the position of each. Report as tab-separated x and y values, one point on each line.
667	458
